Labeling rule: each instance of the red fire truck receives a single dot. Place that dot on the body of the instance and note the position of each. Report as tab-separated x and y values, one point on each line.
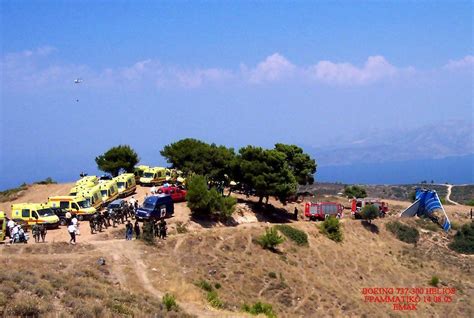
358	204
321	210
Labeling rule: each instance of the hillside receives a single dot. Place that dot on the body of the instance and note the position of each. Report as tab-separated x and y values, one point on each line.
322	279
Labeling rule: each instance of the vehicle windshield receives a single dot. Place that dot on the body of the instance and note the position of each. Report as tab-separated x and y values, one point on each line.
114	206
148	174
45	212
84	204
121	185
148	205
104	193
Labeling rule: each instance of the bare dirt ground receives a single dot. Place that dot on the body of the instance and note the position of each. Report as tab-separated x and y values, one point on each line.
322	279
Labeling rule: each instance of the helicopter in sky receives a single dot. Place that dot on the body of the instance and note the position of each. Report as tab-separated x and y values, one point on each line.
78	81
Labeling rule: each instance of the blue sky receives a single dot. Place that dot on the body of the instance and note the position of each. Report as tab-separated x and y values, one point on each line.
235	73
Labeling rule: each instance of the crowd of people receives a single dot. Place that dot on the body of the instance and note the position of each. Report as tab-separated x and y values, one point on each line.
16	233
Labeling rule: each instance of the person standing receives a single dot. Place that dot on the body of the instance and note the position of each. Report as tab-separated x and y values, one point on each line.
128	231
10	226
137	230
163	229
72	232
43	232
76	224
295	214
153	190
35	230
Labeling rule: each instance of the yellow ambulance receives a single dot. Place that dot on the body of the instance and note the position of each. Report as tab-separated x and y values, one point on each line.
32	213
153	176
92	195
109	191
3	225
74	204
126	184
139	170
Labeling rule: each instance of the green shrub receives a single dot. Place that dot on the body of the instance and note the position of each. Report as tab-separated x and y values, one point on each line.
427	224
148	235
204	285
270	239
331	227
259	308
470	202
213	299
48	180
434	281
369	212
403	232
463	241
25	307
169	301
355	192
205	202
217	285
296	235
272	275
181	227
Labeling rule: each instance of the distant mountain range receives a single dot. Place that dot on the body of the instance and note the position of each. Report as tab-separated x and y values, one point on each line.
443	152
437	141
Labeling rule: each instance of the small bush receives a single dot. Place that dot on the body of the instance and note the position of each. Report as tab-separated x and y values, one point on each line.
120	309
272	275
463	241
331	227
24	306
270	239
470	202
217	285
213	299
355	192
370	212
427	224
297	236
403	232
204	285
181	227
205	202
48	180
148	236
260	308
169	301
434	281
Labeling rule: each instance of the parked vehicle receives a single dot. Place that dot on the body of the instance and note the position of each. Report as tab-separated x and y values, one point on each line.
93	196
116	211
176	193
155	207
109	191
3	225
88	180
126	184
322	210
358	204
73	204
61	213
153	176
38	213
138	172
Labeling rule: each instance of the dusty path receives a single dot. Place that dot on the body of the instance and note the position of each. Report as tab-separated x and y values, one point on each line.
448	195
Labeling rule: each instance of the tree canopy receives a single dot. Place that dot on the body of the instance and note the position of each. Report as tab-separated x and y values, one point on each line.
194	156
270	172
355	192
122	157
301	164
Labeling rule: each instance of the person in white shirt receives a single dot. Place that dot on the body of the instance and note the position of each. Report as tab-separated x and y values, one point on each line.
14	233
76	225
10	225
132	201
153	190
72	232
